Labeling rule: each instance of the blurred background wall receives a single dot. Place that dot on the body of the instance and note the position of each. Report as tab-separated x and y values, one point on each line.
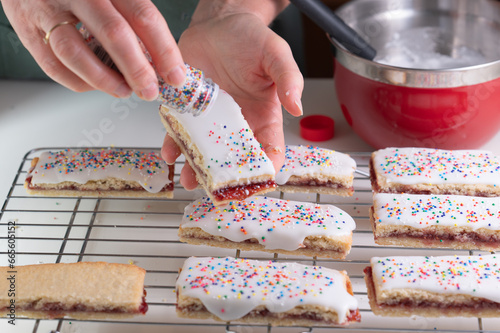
309	44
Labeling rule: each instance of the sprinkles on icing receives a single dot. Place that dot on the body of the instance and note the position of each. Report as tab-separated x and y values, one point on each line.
434	166
81	165
310	160
223	145
274	223
230	288
412	165
420	211
240	145
477	276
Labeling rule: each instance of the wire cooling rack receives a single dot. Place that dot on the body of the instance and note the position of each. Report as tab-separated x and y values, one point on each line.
144	232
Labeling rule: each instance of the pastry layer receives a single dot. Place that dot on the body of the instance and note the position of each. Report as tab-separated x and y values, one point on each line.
313	246
434	171
80	290
271	225
100	172
434	286
222	150
449	221
264	292
315	186
316	170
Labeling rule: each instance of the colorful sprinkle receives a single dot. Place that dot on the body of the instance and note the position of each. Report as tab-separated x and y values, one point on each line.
435	166
230	288
478	276
276	224
421	211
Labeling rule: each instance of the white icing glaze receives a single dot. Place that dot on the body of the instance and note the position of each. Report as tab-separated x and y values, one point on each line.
420	211
276	224
477	276
82	165
433	166
310	160
230	288
226	142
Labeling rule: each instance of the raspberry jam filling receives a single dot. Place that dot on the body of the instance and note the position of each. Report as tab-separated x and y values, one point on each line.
56	309
463	237
240	192
431	235
143	308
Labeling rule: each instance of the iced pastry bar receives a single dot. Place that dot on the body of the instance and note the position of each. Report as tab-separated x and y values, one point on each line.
270	225
278	293
106	172
448	221
434	171
220	147
316	170
84	290
447	286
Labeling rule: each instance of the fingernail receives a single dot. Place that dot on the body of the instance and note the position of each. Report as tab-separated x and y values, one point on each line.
176	77
123	91
150	93
298	102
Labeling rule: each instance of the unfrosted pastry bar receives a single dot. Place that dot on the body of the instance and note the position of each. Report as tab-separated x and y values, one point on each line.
435	171
312	169
278	293
270	225
106	172
445	286
84	290
220	147
442	221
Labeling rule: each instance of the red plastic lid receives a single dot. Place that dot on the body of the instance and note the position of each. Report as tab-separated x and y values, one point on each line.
317	128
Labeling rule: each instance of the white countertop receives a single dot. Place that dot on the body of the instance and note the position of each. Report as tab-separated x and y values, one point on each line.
37	114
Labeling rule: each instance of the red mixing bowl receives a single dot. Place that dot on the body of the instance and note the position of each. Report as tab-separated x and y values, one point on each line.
453	108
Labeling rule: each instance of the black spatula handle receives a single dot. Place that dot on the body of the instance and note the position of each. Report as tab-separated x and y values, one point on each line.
327	20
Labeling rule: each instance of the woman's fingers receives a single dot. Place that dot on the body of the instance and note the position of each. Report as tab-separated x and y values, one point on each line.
285	73
268	131
116	25
69	47
118	38
188	178
170	151
55	69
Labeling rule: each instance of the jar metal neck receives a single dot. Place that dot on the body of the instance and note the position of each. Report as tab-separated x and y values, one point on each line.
416	78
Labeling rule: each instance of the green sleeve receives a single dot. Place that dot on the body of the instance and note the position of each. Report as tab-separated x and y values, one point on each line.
17	63
177	13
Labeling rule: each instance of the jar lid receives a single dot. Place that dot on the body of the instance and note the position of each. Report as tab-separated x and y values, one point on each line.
317	128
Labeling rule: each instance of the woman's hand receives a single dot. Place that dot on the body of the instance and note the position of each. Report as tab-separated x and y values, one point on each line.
253	64
115	23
